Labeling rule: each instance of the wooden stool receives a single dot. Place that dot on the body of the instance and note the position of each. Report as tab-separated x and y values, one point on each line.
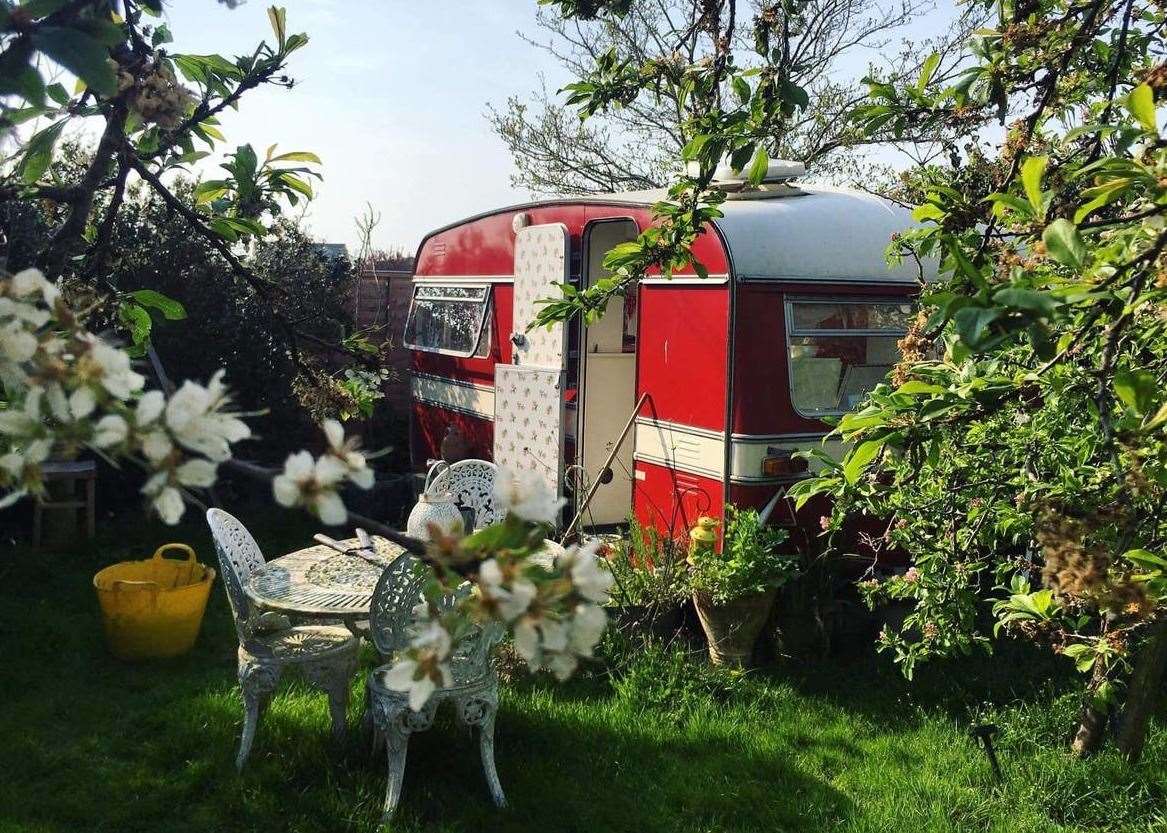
70	471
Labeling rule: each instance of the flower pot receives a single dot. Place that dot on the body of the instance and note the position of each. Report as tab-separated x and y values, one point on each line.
732	628
657	621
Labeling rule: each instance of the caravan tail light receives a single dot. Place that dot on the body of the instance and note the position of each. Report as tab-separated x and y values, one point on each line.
782	464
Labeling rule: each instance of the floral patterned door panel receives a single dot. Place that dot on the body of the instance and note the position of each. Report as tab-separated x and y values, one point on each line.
541	261
528	421
528	395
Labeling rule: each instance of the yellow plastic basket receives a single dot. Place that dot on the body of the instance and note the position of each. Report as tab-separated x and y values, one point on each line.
153	609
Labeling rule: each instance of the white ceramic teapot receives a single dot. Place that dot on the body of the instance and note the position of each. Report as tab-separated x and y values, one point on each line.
434	507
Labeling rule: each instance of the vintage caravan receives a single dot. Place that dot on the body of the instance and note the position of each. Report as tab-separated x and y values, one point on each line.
717	379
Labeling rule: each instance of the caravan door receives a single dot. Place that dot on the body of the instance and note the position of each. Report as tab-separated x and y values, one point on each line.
528	404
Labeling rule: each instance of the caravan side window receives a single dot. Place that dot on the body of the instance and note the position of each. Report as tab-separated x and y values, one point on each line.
449	319
840	350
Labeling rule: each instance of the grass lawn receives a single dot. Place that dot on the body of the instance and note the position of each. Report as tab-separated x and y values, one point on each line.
88	743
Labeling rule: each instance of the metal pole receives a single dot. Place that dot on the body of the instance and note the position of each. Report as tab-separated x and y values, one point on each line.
599	481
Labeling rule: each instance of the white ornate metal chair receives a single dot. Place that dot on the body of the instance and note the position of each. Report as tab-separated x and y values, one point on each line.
325	655
472	484
474	691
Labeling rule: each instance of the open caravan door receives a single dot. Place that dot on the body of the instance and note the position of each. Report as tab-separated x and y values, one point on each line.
528	403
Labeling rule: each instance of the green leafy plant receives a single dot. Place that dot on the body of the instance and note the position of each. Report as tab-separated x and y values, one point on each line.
749	563
647	569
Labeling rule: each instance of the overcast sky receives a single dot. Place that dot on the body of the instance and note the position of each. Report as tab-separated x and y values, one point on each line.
391	95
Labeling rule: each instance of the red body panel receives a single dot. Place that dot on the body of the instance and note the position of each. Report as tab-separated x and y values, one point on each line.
672	501
682	353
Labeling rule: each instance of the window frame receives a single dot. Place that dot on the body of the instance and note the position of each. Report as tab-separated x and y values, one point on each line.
487	305
791	333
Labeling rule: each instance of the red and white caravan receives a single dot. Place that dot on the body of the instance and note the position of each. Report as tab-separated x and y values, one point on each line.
798	318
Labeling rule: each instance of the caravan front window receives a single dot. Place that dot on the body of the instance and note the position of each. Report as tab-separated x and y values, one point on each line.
840	350
449	319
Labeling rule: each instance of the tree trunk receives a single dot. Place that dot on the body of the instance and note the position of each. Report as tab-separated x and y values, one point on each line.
1092	721
1144	693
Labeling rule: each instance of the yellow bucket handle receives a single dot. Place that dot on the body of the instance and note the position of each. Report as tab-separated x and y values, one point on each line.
190	553
142	585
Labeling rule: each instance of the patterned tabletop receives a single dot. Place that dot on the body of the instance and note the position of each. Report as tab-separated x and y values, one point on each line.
319	581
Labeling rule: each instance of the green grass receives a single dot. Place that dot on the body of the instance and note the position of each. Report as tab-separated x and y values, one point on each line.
654	742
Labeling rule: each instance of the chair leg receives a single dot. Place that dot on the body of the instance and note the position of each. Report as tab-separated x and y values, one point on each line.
38	512
90	507
396	745
486	746
338	708
258	682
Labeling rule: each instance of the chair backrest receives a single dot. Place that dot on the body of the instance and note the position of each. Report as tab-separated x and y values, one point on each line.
239	557
392	620
472	484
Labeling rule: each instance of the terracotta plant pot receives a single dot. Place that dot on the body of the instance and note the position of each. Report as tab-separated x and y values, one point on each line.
732	629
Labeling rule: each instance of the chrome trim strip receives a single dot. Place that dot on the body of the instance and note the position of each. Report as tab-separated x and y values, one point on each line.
649	422
460	279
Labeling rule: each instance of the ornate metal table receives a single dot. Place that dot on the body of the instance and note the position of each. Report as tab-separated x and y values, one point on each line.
319	582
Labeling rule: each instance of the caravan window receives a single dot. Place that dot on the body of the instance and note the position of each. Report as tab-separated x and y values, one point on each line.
449	319
840	350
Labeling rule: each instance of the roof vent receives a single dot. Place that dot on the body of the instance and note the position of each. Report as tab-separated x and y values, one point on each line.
779	173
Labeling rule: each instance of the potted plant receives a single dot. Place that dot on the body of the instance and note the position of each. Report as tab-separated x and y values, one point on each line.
734	590
650	582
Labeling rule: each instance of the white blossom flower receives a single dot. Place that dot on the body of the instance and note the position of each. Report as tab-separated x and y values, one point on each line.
526	496
156	445
150	406
288	487
587	626
17	344
164	497
311	483
344	451
109	431
114	371
195	419
510	601
197	473
424	668
25	422
30	281
589	573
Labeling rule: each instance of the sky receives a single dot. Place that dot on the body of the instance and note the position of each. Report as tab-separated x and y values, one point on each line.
392	95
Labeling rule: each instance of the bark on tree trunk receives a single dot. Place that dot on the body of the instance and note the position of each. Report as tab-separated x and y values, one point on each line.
1144	693
1092	721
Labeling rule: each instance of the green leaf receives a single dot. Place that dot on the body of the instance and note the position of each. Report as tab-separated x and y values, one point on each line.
1146	558
1032	171
38	153
84	56
928	211
759	165
297	156
1064	244
859	459
1041	303
972	323
137	320
1136	389
1141	102
279	24
171	309
741	88
927	71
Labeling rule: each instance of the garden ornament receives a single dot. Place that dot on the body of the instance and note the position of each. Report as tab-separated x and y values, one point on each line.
434	506
984	733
